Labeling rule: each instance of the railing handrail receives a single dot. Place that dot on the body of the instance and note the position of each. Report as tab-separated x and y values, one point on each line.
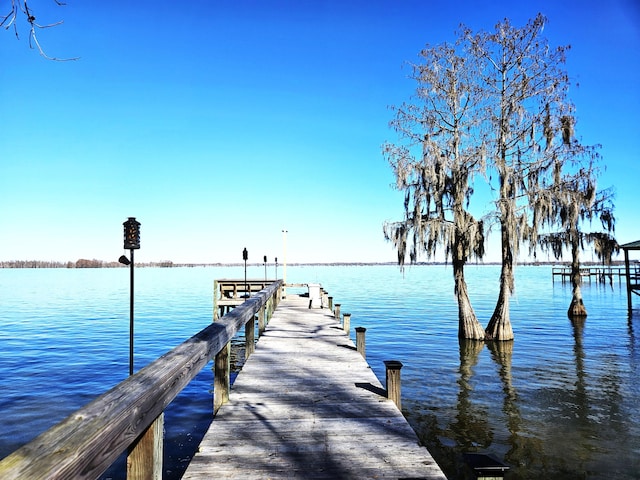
87	442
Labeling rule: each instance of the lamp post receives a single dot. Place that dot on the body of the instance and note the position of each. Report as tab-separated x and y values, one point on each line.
245	257
265	268
131	242
276	268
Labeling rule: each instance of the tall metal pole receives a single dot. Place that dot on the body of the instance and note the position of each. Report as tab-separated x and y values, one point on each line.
131	242
265	268
245	256
131	318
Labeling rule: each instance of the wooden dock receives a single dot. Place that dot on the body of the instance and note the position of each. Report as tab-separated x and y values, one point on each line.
307	405
229	293
602	274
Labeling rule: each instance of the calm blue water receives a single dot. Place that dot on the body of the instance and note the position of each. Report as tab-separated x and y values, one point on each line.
561	401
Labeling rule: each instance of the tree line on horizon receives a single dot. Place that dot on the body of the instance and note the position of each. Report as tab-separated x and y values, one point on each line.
84	263
80	263
491	113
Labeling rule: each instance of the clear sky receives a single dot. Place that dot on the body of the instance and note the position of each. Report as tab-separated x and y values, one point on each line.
218	124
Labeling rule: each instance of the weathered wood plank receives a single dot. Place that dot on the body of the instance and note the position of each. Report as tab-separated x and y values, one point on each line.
307	405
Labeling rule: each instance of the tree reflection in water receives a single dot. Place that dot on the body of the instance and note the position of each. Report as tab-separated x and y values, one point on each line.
551	440
471	427
524	449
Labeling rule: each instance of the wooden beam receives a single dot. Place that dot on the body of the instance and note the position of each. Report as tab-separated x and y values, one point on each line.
221	377
627	271
145	457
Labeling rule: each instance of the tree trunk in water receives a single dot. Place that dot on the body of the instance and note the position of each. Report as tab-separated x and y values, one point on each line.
499	327
577	308
468	325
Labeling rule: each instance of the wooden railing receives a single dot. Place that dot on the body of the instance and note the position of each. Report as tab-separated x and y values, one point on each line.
130	415
229	293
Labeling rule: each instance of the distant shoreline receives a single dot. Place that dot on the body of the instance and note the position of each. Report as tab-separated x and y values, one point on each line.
83	263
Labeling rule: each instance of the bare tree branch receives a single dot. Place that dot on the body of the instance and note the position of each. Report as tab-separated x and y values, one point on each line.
21	9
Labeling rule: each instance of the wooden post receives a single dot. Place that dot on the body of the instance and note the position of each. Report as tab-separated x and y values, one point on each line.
393	382
261	320
250	335
346	322
360	343
221	380
628	272
215	300
272	303
144	461
330	303
325	297
336	312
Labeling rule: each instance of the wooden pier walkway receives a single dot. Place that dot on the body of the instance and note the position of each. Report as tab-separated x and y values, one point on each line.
307	405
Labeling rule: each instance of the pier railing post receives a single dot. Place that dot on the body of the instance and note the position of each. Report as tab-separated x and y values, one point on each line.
272	304
330	304
360	341
216	315
221	380
264	311
250	334
393	382
346	322
144	461
336	312
628	275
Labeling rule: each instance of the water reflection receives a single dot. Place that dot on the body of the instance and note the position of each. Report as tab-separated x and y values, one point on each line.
581	398
471	427
502	353
524	450
561	428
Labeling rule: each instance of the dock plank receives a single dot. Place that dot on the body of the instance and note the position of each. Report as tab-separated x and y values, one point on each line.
307	405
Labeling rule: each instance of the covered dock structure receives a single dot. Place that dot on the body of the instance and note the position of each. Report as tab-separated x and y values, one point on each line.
632	272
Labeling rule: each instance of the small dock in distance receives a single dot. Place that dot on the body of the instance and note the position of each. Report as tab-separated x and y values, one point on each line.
307	405
601	274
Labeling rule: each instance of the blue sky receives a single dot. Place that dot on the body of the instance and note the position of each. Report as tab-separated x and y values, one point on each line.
219	124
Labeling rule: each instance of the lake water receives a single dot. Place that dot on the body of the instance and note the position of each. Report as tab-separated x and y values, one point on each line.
561	401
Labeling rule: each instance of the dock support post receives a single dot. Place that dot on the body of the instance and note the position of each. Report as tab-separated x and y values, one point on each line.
336	312
360	342
144	461
393	382
216	315
262	313
346	322
330	303
221	378
250	334
628	275
272	304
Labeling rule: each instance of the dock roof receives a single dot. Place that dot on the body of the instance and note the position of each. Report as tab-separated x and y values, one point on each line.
631	245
